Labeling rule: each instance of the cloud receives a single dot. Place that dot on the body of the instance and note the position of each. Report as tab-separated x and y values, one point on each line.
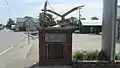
33	7
62	8
94	6
32	11
3	6
87	11
33	1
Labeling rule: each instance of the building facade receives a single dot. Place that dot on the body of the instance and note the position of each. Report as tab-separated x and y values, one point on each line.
27	23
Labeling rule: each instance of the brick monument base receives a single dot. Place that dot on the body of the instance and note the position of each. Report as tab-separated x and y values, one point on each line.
55	46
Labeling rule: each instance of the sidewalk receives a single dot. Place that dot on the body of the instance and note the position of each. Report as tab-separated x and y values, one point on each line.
26	56
34	51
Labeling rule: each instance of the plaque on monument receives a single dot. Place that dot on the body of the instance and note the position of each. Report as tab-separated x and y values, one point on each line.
55	51
55	37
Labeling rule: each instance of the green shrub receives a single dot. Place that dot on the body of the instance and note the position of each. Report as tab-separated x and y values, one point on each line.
86	55
117	56
78	55
92	55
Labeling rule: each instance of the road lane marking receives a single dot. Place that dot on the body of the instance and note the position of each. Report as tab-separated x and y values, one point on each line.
10	48
6	50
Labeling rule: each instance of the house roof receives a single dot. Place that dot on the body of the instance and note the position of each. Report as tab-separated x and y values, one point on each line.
21	19
24	19
35	19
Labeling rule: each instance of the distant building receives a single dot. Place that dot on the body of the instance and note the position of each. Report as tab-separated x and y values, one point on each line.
27	23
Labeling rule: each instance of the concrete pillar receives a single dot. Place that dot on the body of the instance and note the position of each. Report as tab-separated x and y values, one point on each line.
109	28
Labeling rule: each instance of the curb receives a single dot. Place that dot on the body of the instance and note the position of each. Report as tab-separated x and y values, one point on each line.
25	36
28	50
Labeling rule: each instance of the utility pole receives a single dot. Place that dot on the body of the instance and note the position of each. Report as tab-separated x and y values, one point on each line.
28	37
109	28
79	24
79	20
28	25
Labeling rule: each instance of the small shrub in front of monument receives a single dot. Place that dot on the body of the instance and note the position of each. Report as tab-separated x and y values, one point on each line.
80	55
92	55
117	56
86	55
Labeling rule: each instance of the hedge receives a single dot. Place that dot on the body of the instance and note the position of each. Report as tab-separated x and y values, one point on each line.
92	55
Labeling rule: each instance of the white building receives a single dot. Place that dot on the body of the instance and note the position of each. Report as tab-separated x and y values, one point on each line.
27	23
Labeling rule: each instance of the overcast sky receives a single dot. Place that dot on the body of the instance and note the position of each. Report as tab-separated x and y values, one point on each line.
21	8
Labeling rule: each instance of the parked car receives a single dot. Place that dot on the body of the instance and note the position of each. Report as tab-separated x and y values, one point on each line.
12	27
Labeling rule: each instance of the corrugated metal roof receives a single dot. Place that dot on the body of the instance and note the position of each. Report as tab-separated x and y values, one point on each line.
91	22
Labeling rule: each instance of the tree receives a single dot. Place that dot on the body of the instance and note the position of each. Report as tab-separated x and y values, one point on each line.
27	17
46	20
94	18
9	23
83	18
73	21
1	24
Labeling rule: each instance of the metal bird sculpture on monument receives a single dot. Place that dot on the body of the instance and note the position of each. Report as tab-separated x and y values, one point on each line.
63	22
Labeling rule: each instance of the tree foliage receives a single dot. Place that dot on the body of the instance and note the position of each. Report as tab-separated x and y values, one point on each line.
1	24
83	18
27	17
9	23
46	20
94	18
73	21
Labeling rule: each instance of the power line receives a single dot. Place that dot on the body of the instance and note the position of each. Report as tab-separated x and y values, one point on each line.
6	2
8	8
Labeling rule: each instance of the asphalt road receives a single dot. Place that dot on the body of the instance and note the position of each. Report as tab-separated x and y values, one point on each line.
9	38
89	42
